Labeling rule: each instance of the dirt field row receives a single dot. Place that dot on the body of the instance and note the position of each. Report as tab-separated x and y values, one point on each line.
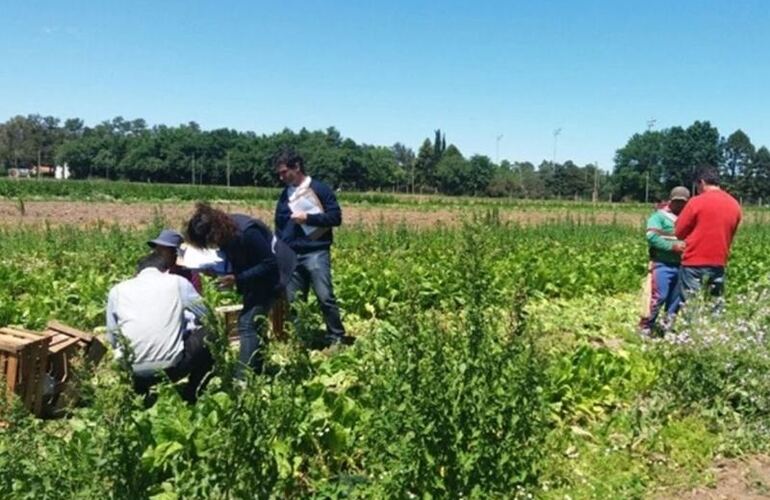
13	213
744	479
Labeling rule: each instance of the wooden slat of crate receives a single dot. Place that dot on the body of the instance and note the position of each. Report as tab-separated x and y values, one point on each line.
96	351
11	374
10	344
20	333
34	363
230	316
62	343
12	339
24	365
68	330
93	347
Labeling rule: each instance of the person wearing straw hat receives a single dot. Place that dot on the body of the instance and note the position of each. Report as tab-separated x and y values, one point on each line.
167	244
661	288
149	311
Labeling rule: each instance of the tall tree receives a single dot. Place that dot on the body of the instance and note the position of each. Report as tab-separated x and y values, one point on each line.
481	172
736	168
425	166
639	167
760	168
453	172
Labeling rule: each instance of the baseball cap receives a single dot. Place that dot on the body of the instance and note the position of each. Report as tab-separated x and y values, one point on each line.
167	238
679	193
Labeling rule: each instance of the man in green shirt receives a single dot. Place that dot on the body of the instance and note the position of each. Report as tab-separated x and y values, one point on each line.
665	256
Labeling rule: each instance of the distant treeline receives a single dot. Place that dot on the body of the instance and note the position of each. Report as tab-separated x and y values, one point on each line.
645	168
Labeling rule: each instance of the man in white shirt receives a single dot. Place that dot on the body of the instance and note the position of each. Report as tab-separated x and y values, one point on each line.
148	310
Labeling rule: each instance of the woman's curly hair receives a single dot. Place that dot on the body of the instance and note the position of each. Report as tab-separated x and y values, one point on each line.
209	227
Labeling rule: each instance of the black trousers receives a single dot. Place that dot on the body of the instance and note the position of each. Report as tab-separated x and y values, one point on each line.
196	362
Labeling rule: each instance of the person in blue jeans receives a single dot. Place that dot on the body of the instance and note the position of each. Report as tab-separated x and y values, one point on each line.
662	287
248	245
708	225
305	214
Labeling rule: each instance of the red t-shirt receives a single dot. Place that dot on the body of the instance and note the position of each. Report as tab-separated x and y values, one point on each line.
707	225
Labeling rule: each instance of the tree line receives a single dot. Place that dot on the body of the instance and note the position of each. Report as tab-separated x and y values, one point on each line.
653	162
645	168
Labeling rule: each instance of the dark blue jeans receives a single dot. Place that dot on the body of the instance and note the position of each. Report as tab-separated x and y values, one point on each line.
664	291
252	323
314	269
692	279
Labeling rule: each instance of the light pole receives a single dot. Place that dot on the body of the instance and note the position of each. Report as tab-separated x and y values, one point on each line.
497	149
555	141
651	123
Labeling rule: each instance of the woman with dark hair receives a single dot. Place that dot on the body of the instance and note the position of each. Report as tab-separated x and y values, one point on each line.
248	245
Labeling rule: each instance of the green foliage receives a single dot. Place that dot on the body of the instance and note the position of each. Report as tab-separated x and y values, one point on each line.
492	360
458	407
721	363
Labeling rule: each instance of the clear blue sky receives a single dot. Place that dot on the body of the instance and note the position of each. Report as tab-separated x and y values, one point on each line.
395	70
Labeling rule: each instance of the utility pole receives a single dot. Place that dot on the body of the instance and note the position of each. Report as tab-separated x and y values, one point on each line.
497	149
228	169
595	194
553	161
38	163
413	162
555	141
647	187
192	171
651	123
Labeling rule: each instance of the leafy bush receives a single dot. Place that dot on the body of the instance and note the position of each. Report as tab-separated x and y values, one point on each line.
457	409
720	363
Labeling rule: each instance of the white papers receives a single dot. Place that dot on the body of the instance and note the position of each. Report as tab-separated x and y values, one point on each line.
305	200
202	259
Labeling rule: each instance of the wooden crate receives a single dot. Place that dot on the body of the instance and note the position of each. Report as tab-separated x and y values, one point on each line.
23	364
276	317
67	345
229	315
88	344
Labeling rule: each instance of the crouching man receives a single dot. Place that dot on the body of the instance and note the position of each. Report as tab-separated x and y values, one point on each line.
149	312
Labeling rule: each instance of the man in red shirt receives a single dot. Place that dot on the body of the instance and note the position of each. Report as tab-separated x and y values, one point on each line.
707	225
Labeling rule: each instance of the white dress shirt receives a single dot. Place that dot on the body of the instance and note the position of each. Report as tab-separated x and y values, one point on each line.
149	311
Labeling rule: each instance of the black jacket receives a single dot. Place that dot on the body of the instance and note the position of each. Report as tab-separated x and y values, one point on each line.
292	233
253	262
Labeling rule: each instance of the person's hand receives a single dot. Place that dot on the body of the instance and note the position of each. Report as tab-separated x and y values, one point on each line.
678	247
299	217
225	282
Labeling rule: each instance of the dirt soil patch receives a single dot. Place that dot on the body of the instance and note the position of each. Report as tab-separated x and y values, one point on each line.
747	478
141	214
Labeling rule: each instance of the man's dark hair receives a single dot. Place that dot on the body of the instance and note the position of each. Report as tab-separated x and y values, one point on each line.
209	227
152	259
708	175
291	159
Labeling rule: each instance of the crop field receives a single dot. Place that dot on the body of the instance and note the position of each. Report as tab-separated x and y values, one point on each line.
496	356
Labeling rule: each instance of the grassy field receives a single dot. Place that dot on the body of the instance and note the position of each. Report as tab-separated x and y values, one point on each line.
100	190
493	359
